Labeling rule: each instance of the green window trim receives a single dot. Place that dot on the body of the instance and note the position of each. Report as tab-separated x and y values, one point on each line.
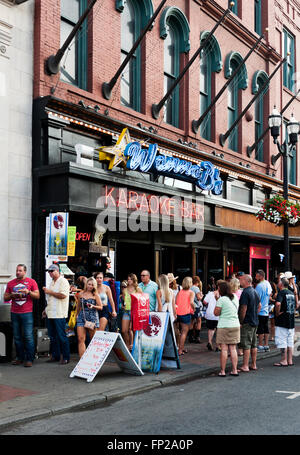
259	79
243	74
292	160
214	50
235	7
173	11
233	106
289	65
81	52
143	11
258	16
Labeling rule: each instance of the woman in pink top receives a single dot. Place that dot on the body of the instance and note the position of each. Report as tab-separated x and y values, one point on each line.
185	308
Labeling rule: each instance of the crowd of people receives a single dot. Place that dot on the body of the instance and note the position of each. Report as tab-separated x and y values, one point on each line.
243	315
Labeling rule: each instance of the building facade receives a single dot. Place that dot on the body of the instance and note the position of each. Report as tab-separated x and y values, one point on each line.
16	93
75	107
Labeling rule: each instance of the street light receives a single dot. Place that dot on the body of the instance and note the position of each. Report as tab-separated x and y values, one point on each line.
293	130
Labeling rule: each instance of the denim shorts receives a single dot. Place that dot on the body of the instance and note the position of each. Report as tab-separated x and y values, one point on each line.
197	314
127	315
185	319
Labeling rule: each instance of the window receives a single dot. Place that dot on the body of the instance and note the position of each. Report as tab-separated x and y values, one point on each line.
233	109
240	81
257	17
210	62
175	30
171	72
235	6
74	63
130	80
292	159
259	80
205	93
289	65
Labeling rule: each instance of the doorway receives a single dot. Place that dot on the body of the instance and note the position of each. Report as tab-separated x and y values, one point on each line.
133	258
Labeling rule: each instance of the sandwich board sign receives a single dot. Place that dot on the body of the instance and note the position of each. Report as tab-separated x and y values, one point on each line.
105	345
158	344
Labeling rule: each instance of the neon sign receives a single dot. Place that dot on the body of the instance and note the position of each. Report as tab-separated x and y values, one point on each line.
150	203
205	175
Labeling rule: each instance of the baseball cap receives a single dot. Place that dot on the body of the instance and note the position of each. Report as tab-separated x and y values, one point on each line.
52	268
240	274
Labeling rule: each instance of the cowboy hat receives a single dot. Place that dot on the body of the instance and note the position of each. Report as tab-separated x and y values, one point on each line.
171	277
289	275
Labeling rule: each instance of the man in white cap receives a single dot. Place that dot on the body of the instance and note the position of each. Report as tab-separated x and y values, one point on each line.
57	296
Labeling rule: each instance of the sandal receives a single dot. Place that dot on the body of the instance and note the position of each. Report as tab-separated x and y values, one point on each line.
221	375
234	374
280	365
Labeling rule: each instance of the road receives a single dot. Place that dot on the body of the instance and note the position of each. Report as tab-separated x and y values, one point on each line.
253	403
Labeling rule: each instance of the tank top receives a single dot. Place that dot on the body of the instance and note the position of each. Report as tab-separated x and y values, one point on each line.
127	301
183	303
167	306
103	298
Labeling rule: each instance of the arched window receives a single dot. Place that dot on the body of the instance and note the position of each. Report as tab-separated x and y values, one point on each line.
174	29
74	64
130	79
240	81
259	80
210	61
134	17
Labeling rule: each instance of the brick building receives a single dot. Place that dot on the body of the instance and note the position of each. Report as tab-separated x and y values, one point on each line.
71	108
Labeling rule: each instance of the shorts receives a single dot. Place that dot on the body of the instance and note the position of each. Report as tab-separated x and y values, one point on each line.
211	324
263	325
104	313
230	335
185	319
197	313
126	315
284	338
248	337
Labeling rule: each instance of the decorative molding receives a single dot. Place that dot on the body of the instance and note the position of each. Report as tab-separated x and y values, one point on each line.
215	51
5	38
173	11
258	74
243	74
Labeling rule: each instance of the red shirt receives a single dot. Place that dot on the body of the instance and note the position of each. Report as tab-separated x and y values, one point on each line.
24	303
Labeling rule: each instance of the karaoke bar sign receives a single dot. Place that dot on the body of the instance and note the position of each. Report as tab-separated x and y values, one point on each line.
177	208
205	175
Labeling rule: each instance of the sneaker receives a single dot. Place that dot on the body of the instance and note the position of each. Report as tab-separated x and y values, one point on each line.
17	362
267	348
260	348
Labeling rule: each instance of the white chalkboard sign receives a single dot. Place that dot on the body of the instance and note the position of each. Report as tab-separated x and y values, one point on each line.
101	346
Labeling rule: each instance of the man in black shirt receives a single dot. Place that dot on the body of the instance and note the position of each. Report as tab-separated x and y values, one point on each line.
249	307
285	323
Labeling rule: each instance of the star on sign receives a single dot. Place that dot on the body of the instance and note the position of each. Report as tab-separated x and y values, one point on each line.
115	153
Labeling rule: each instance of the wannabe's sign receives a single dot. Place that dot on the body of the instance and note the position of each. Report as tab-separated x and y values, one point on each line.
101	346
140	307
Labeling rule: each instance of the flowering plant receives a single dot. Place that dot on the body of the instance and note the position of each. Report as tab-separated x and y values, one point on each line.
279	210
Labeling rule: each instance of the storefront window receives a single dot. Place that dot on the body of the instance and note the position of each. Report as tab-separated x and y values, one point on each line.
241	194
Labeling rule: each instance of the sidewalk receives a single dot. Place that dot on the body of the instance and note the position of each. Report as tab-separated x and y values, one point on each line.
46	389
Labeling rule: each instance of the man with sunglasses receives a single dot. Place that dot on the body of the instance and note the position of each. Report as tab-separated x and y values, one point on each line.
149	287
56	311
21	291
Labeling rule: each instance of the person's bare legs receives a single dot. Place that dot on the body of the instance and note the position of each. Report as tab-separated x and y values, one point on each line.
290	356
223	358
102	324
234	358
183	335
125	332
253	358
81	335
245	366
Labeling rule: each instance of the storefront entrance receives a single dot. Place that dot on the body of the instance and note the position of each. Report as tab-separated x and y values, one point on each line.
133	258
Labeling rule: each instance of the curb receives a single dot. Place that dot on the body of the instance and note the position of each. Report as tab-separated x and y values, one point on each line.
93	401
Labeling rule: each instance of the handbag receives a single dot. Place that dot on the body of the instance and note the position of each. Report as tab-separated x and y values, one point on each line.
72	320
88	324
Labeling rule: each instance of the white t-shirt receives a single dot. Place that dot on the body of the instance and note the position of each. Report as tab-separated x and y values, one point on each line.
168	306
210	300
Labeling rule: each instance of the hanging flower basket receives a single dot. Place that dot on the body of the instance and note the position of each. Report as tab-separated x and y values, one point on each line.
278	210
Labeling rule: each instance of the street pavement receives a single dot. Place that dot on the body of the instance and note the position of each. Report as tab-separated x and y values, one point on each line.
46	389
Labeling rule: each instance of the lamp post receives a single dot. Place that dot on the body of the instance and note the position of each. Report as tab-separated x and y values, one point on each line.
293	130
